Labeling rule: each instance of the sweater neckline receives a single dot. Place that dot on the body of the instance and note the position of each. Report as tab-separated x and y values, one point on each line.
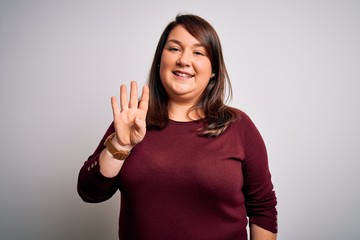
184	122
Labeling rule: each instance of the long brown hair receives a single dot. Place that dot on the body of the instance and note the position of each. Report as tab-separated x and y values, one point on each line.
217	115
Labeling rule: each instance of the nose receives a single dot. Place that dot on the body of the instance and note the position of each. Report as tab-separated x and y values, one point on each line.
183	60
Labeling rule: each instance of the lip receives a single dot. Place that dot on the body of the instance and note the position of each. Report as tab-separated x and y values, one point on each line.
183	74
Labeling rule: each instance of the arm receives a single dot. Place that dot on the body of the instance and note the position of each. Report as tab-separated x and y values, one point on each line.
93	186
260	198
258	233
129	124
97	178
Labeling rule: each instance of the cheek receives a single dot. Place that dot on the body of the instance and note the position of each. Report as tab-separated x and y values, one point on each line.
165	64
205	69
166	59
162	72
162	67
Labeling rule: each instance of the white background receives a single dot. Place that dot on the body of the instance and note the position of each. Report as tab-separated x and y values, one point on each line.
294	66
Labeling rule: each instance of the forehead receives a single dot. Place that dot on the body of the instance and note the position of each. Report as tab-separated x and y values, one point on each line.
180	35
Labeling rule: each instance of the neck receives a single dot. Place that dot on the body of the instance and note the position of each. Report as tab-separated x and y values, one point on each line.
182	113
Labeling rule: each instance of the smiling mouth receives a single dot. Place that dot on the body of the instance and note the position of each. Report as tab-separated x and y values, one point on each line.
183	74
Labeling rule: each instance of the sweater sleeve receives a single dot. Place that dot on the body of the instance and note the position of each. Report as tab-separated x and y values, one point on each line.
92	186
260	198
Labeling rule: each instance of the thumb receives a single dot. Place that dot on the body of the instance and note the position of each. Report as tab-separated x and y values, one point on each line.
140	126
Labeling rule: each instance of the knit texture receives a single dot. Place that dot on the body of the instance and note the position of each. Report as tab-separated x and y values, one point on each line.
178	185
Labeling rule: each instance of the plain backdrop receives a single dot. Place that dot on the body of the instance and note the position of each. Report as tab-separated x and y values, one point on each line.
294	66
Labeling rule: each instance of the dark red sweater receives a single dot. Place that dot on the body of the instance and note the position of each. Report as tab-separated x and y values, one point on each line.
177	185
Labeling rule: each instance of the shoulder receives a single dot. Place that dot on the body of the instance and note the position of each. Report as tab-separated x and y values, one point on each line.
243	122
245	131
241	116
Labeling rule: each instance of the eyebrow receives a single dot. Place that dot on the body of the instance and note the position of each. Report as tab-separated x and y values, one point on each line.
179	43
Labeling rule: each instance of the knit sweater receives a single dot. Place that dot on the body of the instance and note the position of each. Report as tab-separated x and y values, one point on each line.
178	185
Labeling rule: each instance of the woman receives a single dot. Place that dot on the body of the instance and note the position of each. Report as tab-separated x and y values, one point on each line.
187	165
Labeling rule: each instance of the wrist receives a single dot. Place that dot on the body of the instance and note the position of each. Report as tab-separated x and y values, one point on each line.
118	151
120	146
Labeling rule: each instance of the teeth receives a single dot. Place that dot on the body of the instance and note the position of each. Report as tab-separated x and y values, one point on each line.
182	74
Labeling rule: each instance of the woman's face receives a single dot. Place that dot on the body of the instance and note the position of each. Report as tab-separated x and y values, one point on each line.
185	68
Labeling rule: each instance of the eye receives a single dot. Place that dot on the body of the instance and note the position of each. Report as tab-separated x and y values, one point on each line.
199	53
173	49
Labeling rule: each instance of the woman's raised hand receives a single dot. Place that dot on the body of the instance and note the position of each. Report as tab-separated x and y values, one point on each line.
130	118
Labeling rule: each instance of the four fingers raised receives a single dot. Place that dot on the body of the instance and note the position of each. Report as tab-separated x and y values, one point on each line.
133	102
